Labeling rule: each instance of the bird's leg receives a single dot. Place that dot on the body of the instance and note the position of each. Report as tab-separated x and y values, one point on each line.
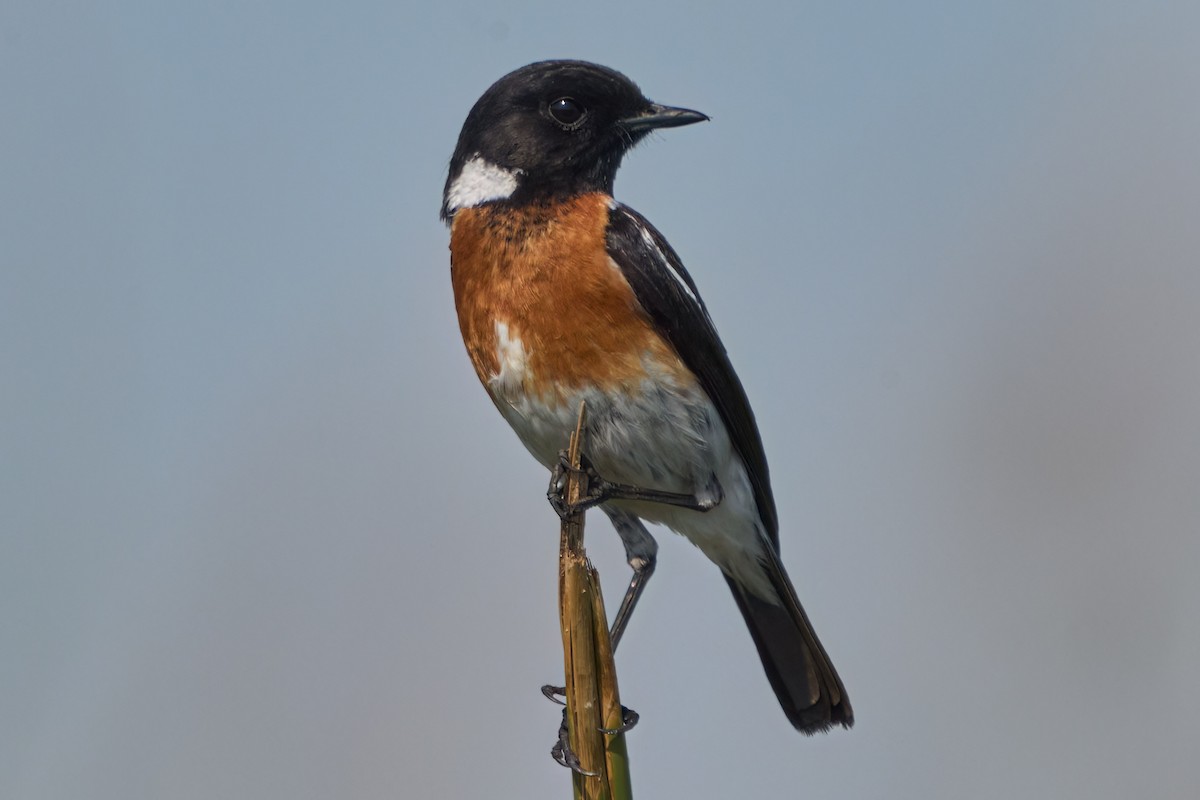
641	551
600	490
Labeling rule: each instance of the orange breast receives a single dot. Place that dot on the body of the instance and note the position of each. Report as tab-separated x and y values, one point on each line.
543	310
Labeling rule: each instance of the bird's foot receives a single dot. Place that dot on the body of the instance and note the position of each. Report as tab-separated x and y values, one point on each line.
561	752
600	490
557	493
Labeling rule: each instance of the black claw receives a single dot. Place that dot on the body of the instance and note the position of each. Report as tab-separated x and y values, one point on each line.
552	693
564	755
557	754
629	718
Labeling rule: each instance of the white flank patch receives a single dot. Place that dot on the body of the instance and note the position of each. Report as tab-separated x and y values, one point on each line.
513	359
479	181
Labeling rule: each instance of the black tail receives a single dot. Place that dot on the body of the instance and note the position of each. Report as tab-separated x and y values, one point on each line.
804	680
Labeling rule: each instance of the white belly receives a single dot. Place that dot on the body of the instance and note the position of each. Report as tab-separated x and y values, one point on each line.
655	436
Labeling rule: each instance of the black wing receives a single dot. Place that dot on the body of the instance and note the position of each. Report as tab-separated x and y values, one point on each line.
668	295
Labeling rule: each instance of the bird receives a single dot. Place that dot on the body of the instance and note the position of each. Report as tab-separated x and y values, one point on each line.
563	294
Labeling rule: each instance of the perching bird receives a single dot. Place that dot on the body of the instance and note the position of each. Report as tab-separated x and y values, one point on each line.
563	294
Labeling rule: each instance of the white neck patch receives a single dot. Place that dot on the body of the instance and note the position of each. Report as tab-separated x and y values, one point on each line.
479	181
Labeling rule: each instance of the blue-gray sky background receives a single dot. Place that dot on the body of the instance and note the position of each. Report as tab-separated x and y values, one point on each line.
263	536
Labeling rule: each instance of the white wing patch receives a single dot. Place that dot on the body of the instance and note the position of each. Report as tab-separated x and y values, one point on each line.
479	181
666	264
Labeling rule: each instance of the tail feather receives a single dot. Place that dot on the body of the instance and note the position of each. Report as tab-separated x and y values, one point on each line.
804	680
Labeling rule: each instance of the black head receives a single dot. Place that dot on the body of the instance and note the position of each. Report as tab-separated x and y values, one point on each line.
548	129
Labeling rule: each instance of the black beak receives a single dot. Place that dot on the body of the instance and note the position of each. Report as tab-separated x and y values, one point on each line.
659	116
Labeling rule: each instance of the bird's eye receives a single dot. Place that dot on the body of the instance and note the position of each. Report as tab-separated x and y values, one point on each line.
567	111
